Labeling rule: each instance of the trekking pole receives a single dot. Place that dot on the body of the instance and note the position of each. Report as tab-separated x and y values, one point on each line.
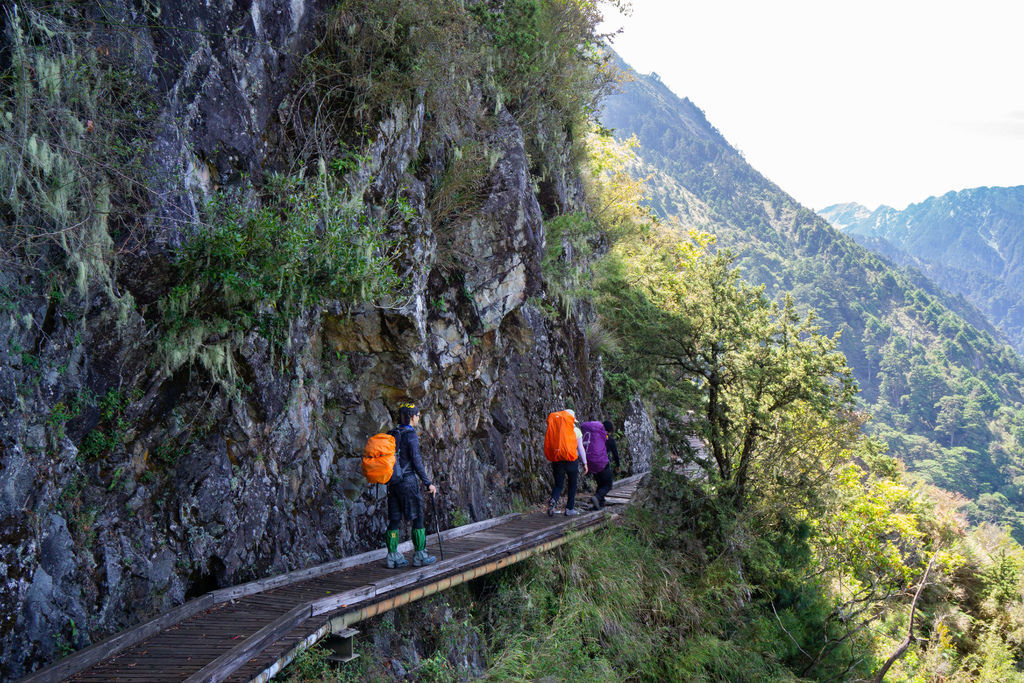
437	525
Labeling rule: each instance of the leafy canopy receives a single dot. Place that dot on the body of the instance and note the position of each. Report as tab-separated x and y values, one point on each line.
745	363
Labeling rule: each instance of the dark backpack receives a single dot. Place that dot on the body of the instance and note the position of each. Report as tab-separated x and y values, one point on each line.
402	463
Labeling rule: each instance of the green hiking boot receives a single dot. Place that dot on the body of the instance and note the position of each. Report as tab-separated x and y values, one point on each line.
395	559
419	544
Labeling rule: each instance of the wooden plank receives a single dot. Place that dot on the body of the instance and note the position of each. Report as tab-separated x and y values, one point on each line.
492	536
223	666
144	673
519	524
634	479
342	600
131	678
215	633
302	574
283	650
87	657
299	591
408	578
271	612
147	676
460	547
154	671
271	595
339	580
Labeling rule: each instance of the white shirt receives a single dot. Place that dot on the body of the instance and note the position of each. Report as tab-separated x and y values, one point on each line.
580	450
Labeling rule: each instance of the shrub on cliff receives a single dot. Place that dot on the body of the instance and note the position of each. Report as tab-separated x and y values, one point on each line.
261	269
541	59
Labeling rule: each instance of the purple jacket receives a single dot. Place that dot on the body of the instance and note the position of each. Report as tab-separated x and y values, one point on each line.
594	437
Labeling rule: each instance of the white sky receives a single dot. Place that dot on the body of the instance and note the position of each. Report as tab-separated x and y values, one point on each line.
878	102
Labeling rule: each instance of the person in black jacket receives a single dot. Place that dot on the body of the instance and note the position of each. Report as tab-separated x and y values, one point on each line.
613	448
404	501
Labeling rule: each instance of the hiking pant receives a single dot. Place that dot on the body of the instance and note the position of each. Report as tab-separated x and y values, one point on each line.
604	483
404	502
561	469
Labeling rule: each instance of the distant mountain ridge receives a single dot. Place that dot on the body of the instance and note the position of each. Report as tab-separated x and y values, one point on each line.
946	392
970	242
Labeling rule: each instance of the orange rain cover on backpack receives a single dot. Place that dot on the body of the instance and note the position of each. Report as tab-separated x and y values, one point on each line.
560	439
379	458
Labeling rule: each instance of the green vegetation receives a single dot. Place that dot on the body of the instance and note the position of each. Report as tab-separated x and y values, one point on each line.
648	601
755	372
313	665
539	59
804	541
943	394
463	187
570	246
575	240
73	126
113	429
551	70
377	56
262	268
65	411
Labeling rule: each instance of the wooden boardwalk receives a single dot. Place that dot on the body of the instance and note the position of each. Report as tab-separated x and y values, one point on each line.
251	631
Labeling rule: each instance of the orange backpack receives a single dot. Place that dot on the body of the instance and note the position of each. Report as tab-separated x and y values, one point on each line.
379	458
560	439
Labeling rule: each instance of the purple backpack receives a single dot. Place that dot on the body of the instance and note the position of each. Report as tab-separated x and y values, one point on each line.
594	437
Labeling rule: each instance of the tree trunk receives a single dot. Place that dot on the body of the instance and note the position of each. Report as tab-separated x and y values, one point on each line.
910	629
714	420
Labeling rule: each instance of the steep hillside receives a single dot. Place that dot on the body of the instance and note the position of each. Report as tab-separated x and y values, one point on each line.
944	391
239	237
969	242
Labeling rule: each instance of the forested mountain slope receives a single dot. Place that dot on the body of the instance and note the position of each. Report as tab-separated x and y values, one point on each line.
969	242
944	391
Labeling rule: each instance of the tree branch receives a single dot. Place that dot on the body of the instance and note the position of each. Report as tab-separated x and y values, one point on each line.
910	629
786	630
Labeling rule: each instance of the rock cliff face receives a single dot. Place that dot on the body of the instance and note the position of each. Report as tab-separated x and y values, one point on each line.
200	488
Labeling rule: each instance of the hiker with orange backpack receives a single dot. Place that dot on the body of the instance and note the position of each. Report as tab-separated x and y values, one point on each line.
404	501
563	447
